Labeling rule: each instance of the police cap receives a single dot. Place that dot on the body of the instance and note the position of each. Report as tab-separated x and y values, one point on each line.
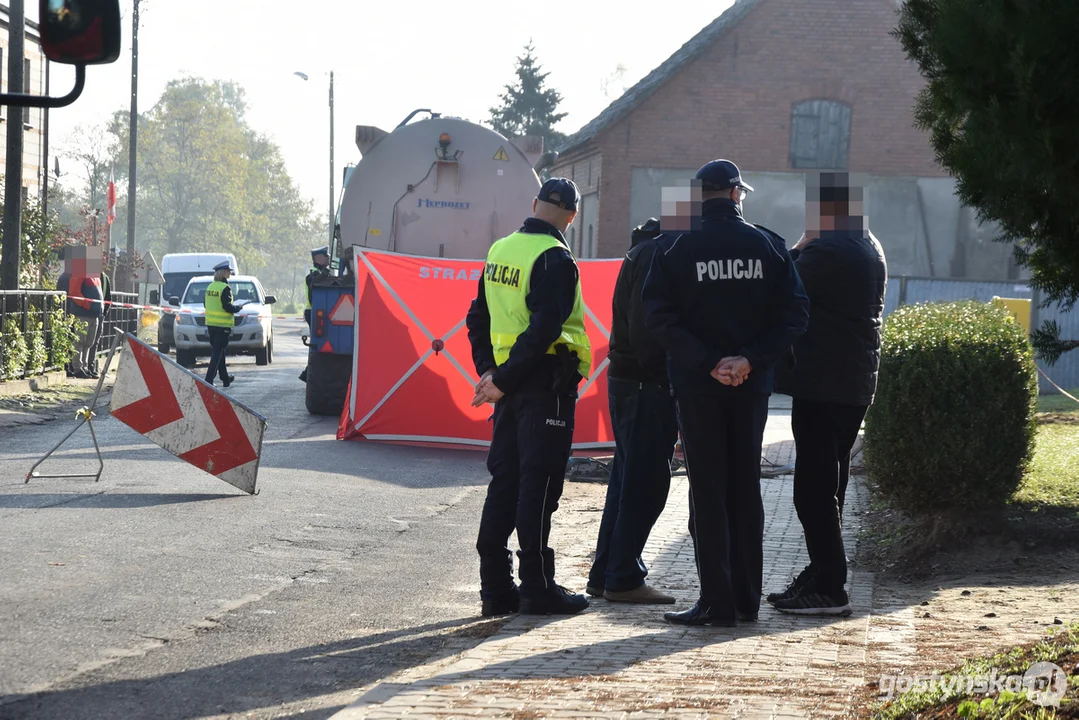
324	250
561	192
720	175
224	265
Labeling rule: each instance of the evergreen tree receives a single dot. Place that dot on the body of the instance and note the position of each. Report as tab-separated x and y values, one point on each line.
528	106
1002	106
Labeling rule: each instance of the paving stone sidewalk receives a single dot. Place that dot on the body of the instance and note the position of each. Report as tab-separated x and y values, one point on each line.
618	660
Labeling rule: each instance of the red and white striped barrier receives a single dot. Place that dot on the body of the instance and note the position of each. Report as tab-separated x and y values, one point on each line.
161	308
187	416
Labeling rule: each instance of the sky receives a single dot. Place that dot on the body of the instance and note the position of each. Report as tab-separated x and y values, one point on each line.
388	59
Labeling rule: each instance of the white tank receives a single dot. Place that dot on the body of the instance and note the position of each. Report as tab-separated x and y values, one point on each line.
439	187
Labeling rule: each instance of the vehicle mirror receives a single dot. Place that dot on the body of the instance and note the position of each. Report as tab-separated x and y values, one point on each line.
155	297
270	300
80	32
174	301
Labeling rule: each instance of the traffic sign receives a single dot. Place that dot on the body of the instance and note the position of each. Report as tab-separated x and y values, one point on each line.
187	416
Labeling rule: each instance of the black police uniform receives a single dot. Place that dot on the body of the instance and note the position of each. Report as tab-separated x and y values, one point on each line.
724	291
530	445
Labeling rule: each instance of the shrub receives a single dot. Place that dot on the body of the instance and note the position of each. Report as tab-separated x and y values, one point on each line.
14	350
953	423
37	355
289	309
63	330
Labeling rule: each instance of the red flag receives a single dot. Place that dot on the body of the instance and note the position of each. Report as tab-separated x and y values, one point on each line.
112	198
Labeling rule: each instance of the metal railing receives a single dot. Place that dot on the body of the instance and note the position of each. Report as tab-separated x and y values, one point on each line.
23	310
119	320
28	310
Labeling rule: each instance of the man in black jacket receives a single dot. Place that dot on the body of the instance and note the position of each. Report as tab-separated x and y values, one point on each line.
726	303
833	381
645	431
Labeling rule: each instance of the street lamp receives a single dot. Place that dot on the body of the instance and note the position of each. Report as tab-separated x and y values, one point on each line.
331	216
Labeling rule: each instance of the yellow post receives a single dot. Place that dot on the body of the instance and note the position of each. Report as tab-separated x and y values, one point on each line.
1018	307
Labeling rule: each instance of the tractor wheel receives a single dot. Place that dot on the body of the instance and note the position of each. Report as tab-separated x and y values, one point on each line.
327	382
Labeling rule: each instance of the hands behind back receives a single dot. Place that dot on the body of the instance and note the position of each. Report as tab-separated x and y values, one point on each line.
732	371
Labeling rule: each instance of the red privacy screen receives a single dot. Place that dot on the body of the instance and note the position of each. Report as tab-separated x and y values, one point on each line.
413	379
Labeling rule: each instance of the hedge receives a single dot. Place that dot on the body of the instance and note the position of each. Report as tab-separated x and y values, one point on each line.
953	423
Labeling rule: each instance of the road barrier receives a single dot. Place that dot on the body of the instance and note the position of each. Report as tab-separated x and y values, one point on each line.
181	413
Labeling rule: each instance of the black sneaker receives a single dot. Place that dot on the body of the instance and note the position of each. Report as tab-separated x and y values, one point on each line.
501	605
810	601
794	588
559	601
228	381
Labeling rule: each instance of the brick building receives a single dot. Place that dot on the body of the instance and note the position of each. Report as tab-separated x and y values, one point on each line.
782	87
35	81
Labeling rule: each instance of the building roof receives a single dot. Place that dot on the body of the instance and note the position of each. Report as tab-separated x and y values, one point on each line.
655	79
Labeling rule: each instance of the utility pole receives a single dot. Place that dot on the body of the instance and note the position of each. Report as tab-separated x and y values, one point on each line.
9	272
45	165
128	282
333	204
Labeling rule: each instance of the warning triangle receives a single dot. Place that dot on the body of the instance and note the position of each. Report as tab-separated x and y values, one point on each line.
501	155
343	312
327	348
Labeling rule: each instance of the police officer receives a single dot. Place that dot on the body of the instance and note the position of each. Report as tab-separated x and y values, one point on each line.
320	268
529	346
220	321
726	303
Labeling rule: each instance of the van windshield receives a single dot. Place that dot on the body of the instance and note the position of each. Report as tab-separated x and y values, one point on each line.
176	282
241	290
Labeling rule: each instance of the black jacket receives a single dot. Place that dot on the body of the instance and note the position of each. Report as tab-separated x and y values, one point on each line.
552	293
634	354
837	359
726	290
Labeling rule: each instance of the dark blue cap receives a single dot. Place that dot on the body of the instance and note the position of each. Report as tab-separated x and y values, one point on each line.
560	192
721	175
224	265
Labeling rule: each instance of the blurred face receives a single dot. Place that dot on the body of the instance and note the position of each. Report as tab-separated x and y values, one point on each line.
322	260
681	208
83	261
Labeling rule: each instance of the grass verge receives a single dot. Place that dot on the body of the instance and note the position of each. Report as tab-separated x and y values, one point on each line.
961	691
1043	512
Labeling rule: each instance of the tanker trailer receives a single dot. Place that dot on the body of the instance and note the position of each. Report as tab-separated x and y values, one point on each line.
437	187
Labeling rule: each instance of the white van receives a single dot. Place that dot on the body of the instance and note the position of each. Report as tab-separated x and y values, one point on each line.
178	269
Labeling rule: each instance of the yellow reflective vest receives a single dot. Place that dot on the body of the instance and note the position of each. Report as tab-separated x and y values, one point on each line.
506	283
216	315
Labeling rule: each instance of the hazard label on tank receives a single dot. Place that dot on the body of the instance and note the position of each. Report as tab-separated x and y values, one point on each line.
501	155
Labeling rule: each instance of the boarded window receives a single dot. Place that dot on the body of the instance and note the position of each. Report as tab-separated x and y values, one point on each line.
820	135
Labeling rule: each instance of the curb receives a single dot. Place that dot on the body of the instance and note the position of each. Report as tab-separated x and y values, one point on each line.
23	386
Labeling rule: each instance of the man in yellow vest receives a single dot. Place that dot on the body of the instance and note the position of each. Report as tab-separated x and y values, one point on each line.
320	259
220	321
529	346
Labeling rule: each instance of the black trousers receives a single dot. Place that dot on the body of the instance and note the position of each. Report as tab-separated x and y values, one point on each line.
530	447
824	434
219	341
645	430
722	438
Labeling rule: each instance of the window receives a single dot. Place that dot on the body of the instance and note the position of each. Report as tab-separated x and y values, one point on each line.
820	135
590	253
2	73
26	89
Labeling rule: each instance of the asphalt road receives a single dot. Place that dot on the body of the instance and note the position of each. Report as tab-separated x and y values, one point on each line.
162	592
